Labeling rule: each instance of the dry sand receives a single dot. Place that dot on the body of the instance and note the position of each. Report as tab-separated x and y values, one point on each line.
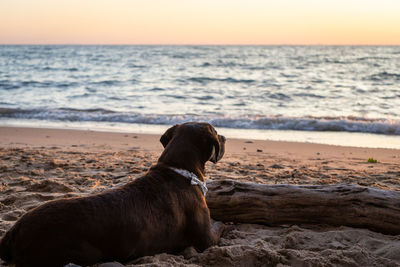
37	165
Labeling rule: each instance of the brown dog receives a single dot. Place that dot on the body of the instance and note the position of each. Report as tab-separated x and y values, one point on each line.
163	211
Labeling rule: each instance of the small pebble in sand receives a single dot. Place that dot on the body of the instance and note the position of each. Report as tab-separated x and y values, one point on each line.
276	166
249	142
259	150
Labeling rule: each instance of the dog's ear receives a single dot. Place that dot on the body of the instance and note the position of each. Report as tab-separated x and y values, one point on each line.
167	136
216	150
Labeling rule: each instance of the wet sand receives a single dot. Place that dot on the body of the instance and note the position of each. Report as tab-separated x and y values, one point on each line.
37	165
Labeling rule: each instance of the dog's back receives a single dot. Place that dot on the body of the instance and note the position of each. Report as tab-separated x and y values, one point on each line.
120	224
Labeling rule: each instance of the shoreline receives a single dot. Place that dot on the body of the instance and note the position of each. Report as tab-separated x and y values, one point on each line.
335	138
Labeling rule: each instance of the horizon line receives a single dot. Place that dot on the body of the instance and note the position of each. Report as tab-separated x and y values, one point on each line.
190	44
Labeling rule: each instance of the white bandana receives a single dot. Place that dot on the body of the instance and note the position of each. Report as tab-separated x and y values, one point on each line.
194	180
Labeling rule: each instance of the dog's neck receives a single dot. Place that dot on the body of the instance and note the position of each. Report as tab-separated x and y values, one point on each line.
184	158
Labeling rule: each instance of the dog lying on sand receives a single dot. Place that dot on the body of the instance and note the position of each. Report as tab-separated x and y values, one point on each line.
163	211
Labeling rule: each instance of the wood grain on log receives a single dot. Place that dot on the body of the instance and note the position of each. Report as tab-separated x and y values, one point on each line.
347	205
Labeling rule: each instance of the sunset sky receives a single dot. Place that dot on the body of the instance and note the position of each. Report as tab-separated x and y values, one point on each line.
200	22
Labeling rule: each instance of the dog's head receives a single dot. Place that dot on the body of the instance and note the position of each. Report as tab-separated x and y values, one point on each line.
202	135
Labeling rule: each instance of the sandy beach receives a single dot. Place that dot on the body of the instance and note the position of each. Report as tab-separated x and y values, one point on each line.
37	165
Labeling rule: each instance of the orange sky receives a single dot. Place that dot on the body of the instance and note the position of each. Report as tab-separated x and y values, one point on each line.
200	22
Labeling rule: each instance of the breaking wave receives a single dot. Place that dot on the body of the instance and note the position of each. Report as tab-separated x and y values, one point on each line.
309	123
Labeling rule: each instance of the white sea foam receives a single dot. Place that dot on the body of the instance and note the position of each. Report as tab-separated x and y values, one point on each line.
332	124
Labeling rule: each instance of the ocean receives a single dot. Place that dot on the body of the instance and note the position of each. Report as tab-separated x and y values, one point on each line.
341	95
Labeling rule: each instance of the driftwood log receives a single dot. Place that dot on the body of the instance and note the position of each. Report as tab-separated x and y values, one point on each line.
336	205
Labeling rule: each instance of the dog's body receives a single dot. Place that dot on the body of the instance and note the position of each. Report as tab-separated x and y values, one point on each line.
159	212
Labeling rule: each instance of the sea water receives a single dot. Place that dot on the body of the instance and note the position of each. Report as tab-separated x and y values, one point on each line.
343	95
